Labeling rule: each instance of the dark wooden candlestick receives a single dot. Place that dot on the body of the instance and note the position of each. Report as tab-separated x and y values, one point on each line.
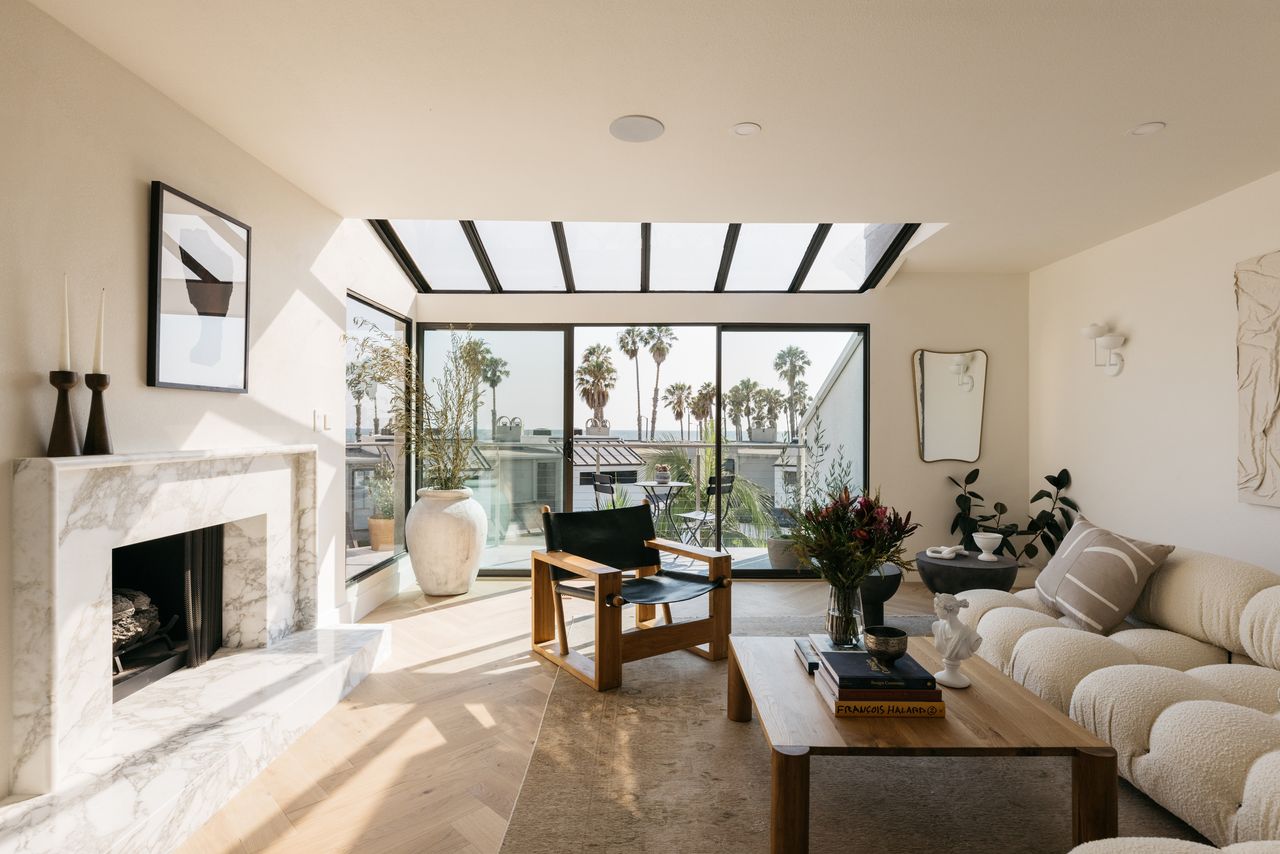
96	438
62	438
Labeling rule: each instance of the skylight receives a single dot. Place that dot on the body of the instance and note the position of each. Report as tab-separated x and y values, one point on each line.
768	255
523	255
685	256
849	253
554	257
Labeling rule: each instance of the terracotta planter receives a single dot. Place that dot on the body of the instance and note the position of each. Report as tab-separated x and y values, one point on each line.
382	534
445	532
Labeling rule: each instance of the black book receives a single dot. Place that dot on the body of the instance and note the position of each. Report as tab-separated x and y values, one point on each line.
857	669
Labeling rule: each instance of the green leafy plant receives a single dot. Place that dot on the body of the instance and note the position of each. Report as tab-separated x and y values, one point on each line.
381	486
848	538
438	425
1046	526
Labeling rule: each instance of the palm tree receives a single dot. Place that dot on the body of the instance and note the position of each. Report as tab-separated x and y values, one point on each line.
677	398
474	352
631	342
798	401
746	390
735	405
371	391
659	340
492	373
703	405
791	363
358	387
596	377
768	404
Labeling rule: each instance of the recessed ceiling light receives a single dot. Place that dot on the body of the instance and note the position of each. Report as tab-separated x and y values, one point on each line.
1147	128
746	128
636	128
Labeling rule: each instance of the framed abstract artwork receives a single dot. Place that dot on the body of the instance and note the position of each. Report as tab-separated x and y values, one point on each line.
198	325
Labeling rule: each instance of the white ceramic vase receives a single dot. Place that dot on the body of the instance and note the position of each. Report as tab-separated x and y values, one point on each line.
445	533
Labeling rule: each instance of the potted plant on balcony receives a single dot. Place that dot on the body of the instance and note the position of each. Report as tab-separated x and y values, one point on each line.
381	487
445	529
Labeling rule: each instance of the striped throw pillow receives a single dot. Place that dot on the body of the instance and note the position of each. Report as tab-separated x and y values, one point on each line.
1096	576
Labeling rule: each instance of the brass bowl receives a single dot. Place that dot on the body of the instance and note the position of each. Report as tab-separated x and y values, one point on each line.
885	643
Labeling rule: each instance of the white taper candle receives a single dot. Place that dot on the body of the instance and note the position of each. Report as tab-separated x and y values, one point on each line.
65	364
102	322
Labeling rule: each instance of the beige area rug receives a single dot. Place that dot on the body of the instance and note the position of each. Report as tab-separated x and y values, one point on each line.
657	767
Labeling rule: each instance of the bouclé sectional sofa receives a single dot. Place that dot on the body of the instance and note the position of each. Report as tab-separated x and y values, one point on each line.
1187	689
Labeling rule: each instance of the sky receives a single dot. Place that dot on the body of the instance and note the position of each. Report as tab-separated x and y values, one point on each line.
534	390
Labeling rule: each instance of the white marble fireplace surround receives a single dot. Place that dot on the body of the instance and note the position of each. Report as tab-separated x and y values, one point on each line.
180	747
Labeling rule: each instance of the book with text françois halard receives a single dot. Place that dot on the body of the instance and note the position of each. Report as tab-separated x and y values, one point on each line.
857	669
879	708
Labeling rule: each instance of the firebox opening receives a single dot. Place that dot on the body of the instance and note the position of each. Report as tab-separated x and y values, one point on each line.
166	607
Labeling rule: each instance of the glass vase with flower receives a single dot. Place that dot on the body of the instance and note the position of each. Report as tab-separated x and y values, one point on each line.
847	539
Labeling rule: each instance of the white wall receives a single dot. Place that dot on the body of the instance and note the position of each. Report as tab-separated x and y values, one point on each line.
936	311
82	140
1153	451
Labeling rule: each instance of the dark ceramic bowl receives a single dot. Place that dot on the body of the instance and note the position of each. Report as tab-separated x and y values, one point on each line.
885	643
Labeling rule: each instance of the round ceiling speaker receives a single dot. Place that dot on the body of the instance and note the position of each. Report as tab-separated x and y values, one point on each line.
636	128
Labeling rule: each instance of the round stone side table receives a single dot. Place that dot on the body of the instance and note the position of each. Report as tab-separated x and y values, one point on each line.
966	573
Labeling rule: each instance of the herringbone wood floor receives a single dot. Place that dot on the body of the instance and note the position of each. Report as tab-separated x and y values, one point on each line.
428	753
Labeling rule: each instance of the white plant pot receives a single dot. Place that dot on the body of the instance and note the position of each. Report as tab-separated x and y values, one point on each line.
445	533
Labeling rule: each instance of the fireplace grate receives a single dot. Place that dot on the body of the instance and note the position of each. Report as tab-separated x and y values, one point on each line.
182	574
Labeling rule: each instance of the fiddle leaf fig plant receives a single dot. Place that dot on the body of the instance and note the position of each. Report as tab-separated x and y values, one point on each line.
1045	528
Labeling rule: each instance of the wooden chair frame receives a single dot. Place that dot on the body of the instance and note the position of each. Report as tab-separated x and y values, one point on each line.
613	646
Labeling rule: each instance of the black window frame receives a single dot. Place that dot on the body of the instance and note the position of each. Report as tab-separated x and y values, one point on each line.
863	329
410	336
386	231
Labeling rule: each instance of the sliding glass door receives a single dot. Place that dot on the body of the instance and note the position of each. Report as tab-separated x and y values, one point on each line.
518	460
722	429
794	410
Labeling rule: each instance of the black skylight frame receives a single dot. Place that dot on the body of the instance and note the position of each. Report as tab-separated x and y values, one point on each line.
387	233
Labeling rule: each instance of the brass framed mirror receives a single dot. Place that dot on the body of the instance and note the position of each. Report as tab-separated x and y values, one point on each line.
951	392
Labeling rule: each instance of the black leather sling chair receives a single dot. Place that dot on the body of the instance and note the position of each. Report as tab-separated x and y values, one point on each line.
599	546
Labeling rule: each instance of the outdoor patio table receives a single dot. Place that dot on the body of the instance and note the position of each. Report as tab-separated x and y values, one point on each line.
661	496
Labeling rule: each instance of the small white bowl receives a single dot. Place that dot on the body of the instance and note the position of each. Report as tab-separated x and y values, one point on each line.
988	542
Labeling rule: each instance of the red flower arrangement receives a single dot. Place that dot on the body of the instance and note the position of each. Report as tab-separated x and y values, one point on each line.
847	537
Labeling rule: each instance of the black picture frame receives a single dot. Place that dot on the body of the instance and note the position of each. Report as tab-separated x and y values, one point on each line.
210	297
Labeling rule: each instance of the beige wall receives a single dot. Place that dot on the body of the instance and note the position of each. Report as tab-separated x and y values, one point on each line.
82	140
942	312
1153	451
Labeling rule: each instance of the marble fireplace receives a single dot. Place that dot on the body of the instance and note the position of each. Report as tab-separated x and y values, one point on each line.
81	765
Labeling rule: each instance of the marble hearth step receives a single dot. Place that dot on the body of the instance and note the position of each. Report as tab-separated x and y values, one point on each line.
182	747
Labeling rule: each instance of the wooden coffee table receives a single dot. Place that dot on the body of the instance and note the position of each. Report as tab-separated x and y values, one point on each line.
994	717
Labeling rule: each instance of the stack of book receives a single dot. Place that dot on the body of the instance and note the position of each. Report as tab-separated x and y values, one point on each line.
855	685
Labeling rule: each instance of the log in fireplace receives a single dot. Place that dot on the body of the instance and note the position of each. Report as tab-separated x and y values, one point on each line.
167	607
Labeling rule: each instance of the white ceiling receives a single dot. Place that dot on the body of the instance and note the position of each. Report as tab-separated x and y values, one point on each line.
1005	118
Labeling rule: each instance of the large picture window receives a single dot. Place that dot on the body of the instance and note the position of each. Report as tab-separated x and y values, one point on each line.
376	473
722	429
